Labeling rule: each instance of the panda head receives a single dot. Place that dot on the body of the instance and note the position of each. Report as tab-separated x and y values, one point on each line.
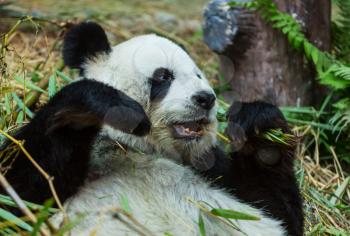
157	73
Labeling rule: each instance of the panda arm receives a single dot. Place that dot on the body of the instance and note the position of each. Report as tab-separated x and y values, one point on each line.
260	172
61	134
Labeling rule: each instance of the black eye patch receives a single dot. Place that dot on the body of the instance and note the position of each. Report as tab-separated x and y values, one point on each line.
160	82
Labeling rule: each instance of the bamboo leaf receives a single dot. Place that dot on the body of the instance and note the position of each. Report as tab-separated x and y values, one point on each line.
22	106
52	85
340	191
124	203
20	117
201	224
8	216
63	76
230	214
29	84
9	202
42	216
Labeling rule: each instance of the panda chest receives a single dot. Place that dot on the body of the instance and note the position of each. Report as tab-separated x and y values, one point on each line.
155	188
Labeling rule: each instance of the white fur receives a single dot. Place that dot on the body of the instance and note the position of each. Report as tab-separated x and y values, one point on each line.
150	175
163	197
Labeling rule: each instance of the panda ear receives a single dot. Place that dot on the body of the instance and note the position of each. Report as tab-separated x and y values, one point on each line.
84	41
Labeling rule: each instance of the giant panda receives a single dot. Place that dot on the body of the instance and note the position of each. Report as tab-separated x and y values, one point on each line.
139	126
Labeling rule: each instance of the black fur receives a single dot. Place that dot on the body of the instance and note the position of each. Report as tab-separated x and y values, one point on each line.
60	137
160	83
61	134
268	185
84	41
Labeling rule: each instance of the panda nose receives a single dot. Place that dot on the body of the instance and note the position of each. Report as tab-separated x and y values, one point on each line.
204	99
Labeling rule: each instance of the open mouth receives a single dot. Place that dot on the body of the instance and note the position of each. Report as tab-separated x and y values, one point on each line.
189	129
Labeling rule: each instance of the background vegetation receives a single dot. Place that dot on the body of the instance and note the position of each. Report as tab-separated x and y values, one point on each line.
32	71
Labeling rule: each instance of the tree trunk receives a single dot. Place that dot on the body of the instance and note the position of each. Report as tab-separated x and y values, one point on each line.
258	61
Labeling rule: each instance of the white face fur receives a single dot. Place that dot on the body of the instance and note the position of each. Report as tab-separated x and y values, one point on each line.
145	61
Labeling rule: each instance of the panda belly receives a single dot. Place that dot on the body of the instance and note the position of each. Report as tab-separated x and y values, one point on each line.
163	197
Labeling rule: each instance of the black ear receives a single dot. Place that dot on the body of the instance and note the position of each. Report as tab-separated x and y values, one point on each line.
84	41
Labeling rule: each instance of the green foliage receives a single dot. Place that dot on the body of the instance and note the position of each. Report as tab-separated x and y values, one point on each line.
11	223
124	203
333	70
43	215
7	201
325	129
201	224
231	214
278	136
9	217
341	31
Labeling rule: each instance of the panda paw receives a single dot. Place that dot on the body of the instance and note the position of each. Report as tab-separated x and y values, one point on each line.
129	118
86	103
247	122
256	117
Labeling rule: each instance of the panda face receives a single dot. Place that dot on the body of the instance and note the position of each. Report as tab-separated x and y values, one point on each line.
163	78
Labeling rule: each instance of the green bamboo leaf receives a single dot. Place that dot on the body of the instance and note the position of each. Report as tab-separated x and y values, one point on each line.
201	224
230	214
20	118
124	203
63	76
278	136
52	85
8	216
340	191
28	84
6	200
311	123
42	216
22	106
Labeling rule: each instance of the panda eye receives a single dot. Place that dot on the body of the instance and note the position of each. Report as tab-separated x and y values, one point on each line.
162	75
199	76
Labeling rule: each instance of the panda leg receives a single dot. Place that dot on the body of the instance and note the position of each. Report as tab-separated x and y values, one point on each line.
259	171
61	135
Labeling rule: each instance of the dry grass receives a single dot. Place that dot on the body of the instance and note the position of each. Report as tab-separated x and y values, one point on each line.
325	189
32	51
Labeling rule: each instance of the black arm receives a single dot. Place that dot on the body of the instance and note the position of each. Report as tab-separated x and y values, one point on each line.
259	171
61	134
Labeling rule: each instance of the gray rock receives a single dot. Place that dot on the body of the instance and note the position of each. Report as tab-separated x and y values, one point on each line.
220	24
